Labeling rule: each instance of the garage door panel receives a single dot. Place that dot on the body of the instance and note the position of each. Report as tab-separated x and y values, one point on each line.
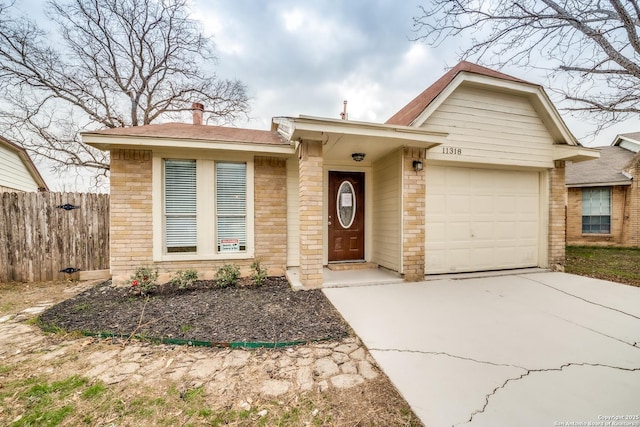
458	203
481	219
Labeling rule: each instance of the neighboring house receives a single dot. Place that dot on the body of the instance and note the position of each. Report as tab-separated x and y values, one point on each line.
17	171
603	196
469	176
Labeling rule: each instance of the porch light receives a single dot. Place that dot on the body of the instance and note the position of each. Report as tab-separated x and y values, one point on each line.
358	157
417	165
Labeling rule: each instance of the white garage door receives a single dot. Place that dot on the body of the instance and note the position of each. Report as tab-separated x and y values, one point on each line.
481	219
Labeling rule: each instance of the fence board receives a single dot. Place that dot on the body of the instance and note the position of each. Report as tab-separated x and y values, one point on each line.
37	239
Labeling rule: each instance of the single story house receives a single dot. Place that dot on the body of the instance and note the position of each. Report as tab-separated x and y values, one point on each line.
17	171
468	176
603	196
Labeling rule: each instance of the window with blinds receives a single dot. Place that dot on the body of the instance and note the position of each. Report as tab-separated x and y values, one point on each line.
596	210
231	206
180	205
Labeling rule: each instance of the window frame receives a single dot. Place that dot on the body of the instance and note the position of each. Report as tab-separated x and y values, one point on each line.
232	212
206	222
599	223
184	213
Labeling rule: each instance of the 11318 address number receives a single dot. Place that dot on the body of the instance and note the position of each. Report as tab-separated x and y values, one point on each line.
452	150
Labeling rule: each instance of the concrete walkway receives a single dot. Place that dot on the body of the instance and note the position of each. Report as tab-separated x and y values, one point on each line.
347	278
543	349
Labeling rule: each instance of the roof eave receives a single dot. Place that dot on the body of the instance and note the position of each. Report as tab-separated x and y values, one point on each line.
574	153
309	127
599	184
110	142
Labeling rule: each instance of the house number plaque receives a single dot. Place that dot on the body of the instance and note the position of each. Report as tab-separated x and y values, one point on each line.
455	151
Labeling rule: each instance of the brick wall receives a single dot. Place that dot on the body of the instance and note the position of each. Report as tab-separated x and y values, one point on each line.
557	216
206	268
311	164
413	216
619	219
271	213
132	225
131	230
632	235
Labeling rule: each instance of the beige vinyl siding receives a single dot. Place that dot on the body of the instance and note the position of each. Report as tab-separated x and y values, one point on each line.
490	127
387	218
293	213
14	175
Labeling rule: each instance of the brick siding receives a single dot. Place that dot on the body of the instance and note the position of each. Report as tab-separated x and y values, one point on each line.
413	216
131	230
311	173
270	180
557	216
625	215
132	225
619	219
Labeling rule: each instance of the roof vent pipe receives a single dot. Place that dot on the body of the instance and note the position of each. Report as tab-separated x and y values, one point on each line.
198	110
344	114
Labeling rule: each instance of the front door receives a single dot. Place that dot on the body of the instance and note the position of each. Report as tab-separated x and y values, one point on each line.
346	216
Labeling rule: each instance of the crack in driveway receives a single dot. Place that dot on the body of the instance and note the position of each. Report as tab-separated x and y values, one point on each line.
443	353
508	380
578	297
530	371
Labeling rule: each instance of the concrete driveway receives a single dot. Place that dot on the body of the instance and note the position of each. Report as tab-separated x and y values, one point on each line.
536	349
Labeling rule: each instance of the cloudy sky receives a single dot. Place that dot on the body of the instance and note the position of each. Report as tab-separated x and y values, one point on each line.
307	57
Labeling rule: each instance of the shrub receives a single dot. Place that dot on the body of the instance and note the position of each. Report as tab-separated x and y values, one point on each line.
143	281
184	279
227	275
259	273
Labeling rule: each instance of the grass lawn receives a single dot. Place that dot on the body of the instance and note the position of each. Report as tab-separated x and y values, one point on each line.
620	265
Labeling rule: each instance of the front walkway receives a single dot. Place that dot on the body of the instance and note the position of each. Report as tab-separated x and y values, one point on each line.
544	349
346	278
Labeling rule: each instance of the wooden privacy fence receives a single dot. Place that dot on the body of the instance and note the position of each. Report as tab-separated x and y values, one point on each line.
44	233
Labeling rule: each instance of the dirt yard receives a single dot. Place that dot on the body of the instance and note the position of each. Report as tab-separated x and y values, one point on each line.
68	380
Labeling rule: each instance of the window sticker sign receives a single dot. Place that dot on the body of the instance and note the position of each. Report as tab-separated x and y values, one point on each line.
346	200
229	245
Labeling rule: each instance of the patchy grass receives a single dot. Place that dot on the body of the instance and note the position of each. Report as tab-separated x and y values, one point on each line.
41	403
74	401
15	296
616	264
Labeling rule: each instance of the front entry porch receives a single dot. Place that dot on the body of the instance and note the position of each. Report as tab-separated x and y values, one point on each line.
346	278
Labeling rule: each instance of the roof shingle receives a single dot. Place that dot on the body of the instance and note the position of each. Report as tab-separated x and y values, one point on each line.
198	132
605	170
413	109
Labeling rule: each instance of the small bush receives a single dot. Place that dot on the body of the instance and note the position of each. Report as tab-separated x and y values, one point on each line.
184	279
259	273
227	275
144	280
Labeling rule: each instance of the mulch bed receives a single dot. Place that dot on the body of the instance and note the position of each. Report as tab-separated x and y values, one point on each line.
244	313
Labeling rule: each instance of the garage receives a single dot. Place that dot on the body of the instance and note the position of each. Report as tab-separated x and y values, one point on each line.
481	219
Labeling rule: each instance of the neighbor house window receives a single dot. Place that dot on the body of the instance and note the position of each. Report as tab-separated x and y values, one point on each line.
596	210
180	206
231	206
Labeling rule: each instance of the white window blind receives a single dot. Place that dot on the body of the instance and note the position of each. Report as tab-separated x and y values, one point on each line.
180	205
596	210
231	206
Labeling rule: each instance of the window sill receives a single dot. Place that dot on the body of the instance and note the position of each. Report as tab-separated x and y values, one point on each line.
597	235
205	257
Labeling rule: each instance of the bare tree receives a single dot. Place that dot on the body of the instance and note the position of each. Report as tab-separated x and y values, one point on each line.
109	63
593	43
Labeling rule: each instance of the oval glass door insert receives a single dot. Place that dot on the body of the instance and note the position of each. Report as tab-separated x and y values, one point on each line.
346	204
